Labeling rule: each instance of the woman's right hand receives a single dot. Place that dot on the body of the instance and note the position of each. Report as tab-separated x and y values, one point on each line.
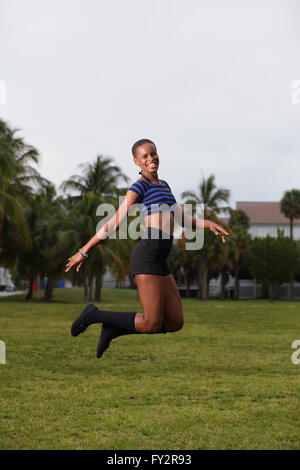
75	259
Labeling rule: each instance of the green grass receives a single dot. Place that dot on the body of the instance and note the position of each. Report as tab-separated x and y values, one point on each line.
225	381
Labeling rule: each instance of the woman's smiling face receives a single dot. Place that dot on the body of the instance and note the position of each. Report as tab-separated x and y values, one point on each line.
146	158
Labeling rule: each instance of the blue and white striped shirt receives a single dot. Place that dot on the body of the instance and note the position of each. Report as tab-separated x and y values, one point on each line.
151	196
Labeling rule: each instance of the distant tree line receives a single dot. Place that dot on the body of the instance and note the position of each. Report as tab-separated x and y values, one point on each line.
40	229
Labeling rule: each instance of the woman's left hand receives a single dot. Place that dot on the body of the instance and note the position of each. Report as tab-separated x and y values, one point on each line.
75	259
217	229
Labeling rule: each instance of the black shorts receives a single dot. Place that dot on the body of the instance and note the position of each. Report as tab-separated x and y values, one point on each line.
149	256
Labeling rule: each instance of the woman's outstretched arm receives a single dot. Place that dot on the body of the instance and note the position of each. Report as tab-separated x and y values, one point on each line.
194	223
109	228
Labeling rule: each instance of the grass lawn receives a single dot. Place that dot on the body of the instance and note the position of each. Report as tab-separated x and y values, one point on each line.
225	381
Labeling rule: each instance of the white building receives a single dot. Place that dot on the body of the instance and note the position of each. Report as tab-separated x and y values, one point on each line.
266	218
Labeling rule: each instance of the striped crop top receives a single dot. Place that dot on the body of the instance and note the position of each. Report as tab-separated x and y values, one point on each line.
152	196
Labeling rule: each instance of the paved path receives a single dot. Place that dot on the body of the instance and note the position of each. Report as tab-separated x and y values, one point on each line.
16	292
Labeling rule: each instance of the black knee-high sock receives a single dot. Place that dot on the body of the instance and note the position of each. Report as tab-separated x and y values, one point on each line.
124	320
123	331
120	319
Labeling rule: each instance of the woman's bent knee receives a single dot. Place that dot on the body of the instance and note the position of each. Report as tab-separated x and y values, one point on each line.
180	325
175	326
152	327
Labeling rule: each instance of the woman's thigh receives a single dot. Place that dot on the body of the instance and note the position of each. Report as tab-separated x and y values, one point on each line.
151	295
160	300
173	314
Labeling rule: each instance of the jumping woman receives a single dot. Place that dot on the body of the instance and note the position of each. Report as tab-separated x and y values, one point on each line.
157	289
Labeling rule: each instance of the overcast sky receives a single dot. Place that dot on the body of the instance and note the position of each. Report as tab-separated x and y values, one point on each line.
208	81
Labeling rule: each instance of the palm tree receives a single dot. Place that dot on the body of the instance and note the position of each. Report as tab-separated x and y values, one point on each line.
239	223
226	267
11	204
41	258
52	253
290	207
98	184
99	177
210	197
16	159
30	260
183	263
77	227
17	177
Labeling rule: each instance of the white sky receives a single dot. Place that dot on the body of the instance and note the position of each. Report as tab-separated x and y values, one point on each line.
209	81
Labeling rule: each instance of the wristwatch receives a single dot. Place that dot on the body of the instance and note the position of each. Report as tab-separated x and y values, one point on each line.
85	255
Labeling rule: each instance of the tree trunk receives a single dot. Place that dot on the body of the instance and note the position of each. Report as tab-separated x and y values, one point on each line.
98	287
271	294
202	279
199	282
223	283
38	282
264	292
236	281
291	290
131	280
86	283
204	284
91	289
49	289
291	228
30	289
188	284
199	288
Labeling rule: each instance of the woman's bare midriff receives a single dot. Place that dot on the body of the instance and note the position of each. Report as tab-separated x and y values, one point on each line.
163	221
